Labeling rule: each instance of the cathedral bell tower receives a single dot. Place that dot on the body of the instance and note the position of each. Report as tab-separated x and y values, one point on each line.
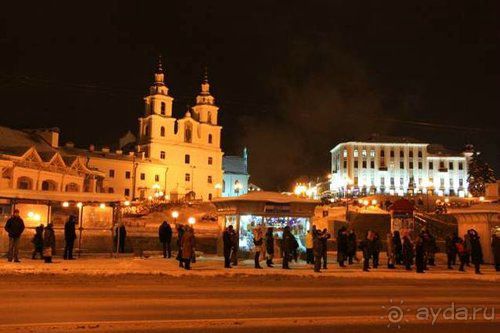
158	101
205	110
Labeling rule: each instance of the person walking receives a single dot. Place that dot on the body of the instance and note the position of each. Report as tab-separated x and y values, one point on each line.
49	243
462	253
269	247
325	236
180	234
476	252
165	236
451	249
398	247
408	251
376	248
342	245
391	260
420	257
495	247
187	245
351	247
120	237
69	237
309	248
38	242
365	246
14	228
289	246
317	250
227	246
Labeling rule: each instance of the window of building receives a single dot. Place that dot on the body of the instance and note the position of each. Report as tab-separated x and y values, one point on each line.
460	182
460	166
143	176
401	154
392	181
49	185
210	138
188	136
127	192
162	155
345	152
411	165
111	190
382	181
372	164
401	180
364	164
24	183
146	153
401	165
392	153
111	173
146	130
210	160
127	174
163	108
382	153
209	179
411	153
355	164
441	181
187	177
450	165
372	153
187	159
363	153
420	181
162	131
157	178
345	164
420	165
431	165
72	187
355	153
419	153
441	165
451	182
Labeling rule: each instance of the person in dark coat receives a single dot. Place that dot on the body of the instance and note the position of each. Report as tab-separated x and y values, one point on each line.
451	249
351	247
269	247
49	243
317	249
290	245
462	253
227	245
120	237
431	249
408	252
342	246
38	242
495	247
420	256
180	234
69	237
235	244
365	246
325	236
397	246
165	236
376	248
476	253
14	228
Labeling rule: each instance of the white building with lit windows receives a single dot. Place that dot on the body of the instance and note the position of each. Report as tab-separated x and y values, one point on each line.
397	165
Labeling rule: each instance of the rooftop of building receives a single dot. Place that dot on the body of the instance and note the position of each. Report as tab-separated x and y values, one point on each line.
17	142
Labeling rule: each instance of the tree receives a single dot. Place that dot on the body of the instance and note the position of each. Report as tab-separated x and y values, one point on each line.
480	174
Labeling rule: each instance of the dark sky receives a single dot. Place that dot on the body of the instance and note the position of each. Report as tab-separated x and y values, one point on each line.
292	78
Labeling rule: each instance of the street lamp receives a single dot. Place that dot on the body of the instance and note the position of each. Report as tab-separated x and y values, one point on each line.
175	215
191	221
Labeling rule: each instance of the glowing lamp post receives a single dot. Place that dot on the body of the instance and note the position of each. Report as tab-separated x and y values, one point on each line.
175	215
191	221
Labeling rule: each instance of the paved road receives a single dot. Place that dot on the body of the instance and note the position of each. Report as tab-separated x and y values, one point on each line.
135	303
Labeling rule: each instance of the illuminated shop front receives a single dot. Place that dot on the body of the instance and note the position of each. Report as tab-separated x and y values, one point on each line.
266	209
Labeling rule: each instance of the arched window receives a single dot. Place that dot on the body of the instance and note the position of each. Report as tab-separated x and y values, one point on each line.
72	187
24	183
188	133
163	108
146	130
49	185
209	116
210	139
162	131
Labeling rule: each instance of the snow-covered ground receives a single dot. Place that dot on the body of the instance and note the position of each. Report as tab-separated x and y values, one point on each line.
208	266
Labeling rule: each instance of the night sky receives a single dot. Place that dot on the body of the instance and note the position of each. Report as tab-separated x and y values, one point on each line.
292	78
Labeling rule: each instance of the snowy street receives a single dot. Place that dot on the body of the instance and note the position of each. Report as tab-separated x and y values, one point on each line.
136	295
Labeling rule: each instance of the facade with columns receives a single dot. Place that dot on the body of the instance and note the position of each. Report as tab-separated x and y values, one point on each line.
175	158
397	166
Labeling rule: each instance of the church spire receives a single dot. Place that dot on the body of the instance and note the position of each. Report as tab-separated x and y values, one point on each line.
205	86
159	75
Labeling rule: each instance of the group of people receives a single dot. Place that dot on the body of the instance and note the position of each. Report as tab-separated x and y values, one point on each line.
44	239
468	249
